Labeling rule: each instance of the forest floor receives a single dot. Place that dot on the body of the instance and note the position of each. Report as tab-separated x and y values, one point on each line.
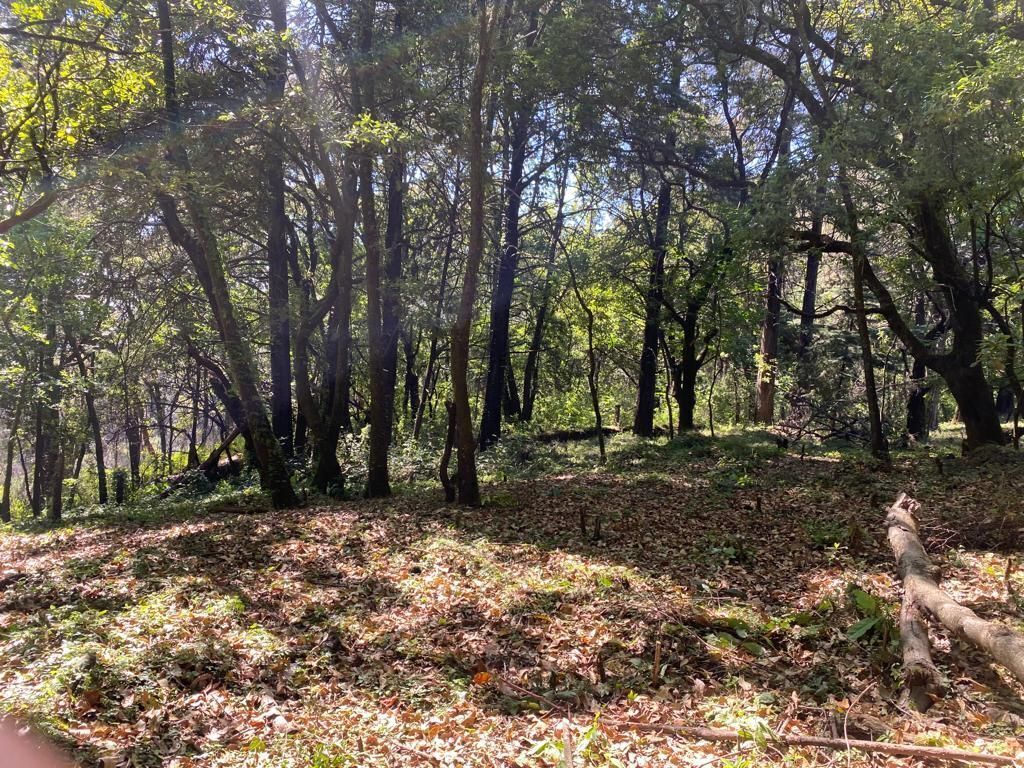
410	632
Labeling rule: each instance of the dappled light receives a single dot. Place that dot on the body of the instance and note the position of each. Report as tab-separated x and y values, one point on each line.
533	383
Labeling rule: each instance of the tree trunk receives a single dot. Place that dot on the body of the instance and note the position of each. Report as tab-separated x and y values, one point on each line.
12	436
511	404
643	420
47	415
327	430
93	418
193	449
133	435
377	480
57	491
468	483
917	406
446	455
807	310
501	299
531	373
277	249
689	366
391	324
412	380
97	441
430	376
204	253
879	445
156	401
595	398
965	377
958	367
764	408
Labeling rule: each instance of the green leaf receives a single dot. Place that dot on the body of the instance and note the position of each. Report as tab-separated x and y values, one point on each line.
862	627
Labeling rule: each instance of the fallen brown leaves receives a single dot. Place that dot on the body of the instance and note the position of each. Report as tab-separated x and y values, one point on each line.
401	632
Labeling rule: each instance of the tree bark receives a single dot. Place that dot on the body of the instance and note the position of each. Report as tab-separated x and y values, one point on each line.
643	419
391	321
12	436
94	421
689	366
277	249
450	489
56	509
468	483
377	481
133	436
343	194
879	445
47	414
917	406
764	408
501	299
919	577
809	303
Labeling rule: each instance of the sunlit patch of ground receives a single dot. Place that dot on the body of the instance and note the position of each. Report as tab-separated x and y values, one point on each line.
728	584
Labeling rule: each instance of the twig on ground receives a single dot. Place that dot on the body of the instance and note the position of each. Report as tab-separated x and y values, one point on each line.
799	740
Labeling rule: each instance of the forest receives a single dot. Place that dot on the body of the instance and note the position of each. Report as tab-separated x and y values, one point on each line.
511	382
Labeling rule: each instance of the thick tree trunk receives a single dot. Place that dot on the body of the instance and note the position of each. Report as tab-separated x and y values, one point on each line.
377	479
965	377
764	408
643	419
920	588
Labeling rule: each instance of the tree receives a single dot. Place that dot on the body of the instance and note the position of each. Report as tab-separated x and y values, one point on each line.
468	485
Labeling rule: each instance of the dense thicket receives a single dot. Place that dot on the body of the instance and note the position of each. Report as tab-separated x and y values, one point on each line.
323	230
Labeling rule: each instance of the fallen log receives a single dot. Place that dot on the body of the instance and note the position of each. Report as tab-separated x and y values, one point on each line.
211	467
921	679
571	435
800	740
921	589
